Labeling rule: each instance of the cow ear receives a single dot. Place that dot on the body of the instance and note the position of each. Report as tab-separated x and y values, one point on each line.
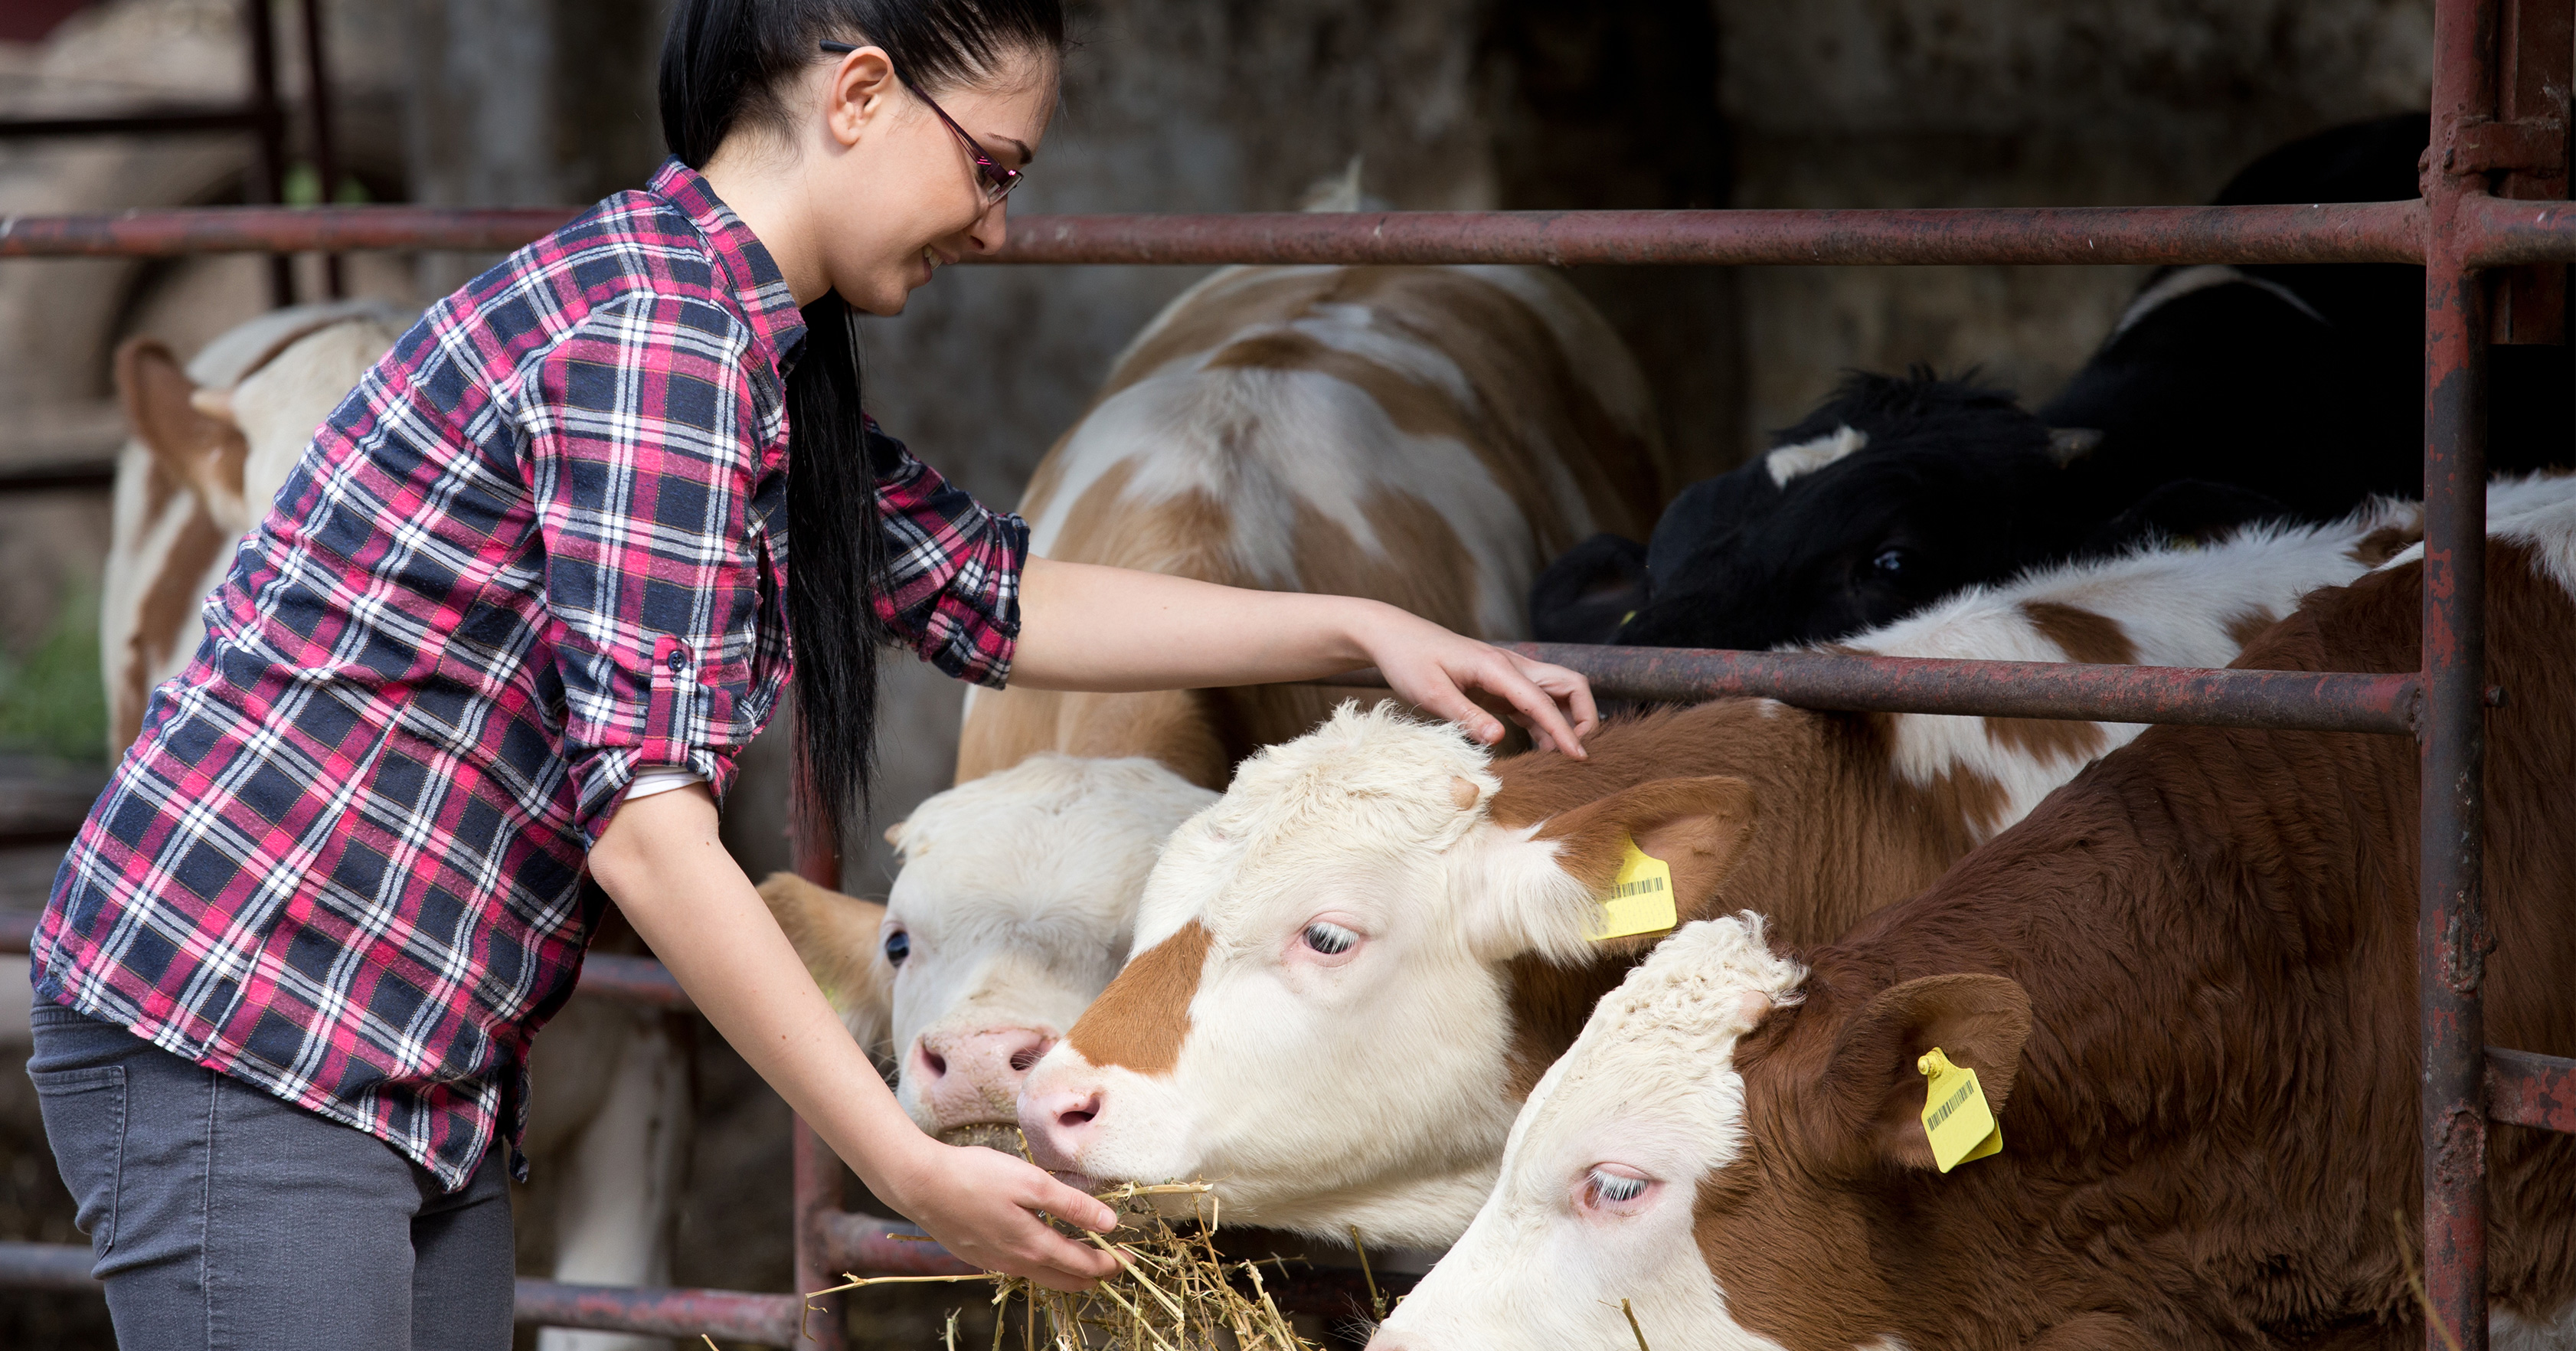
1873	1082
1698	827
838	938
202	452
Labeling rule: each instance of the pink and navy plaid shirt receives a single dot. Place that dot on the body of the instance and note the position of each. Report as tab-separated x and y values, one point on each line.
542	545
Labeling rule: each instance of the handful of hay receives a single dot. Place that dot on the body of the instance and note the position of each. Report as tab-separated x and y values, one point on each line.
1174	1291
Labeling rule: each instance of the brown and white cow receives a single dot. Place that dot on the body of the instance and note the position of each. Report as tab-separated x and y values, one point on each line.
2188	985
1427	436
213	443
1351	970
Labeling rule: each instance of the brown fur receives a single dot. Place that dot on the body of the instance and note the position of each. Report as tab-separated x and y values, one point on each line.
2245	626
1530	412
1131	1024
2081	634
1798	768
2216	1105
837	937
174	595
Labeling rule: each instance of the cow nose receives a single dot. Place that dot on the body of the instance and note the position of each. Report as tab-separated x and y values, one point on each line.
968	1077
1059	1122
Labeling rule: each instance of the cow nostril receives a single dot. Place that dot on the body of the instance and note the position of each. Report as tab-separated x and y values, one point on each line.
934	1062
1027	1056
1069	1120
1080	1113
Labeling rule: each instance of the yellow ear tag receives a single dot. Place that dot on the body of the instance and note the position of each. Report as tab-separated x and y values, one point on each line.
1640	899
1955	1116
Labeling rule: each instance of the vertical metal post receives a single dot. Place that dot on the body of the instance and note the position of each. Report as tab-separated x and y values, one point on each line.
819	1176
268	177
317	123
2451	934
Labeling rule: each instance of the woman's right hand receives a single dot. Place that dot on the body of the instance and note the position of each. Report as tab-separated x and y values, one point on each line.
980	1204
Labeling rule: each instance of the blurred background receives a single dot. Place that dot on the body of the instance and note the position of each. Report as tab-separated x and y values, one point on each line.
1168	105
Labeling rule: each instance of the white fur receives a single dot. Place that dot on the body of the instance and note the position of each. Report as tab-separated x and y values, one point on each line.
1018	894
2506	1332
2185	281
2175	605
1807	457
1648	1086
2538	510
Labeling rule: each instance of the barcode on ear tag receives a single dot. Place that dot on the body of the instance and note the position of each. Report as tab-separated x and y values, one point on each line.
1640	899
1956	1118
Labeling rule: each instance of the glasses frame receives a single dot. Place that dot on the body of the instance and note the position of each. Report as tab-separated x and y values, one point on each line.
997	180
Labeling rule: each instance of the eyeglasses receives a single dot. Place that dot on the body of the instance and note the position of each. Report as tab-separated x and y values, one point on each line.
995	180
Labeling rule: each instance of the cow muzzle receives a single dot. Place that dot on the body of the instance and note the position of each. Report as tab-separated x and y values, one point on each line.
961	1078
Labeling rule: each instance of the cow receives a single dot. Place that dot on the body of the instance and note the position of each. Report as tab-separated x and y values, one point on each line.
2187	985
1352	968
2222	395
1425	436
214	440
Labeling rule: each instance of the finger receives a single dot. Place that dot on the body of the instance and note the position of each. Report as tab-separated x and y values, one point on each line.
1446	700
1504	678
1072	1206
1573	689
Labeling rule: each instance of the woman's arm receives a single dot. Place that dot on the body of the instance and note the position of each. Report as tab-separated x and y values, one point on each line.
660	861
1084	627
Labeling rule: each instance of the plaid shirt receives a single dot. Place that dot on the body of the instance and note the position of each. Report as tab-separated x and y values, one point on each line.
542	545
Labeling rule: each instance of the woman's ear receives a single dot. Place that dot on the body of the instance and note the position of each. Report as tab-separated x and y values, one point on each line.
859	93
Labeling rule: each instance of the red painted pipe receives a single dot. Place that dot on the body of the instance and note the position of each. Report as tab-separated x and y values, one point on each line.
734	1315
2306	700
637	980
866	1245
2528	1089
2337	232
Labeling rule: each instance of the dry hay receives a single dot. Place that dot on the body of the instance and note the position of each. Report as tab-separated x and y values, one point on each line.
1174	1291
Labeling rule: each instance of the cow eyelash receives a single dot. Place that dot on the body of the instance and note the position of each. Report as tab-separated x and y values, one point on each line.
1613	1187
1332	940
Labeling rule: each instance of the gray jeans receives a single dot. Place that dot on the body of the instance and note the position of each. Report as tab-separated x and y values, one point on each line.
223	1217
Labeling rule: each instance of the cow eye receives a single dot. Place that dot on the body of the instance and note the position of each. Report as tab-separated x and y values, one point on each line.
1606	1188
1890	562
1330	939
898	945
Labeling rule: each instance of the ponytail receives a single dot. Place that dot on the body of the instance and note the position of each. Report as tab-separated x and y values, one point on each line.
724	66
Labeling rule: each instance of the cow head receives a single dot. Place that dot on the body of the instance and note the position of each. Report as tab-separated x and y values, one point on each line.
1014	907
1684	1160
1318	1018
1894	494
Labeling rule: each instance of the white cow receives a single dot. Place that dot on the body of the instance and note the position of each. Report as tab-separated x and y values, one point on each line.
1425	436
213	443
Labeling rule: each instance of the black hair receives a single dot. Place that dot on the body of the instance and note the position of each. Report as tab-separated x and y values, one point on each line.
725	65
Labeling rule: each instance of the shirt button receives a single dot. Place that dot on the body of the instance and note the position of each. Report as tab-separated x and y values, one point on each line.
679	659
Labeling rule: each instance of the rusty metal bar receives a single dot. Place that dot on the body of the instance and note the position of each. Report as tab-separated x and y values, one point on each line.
849	1241
2451	934
59	476
636	980
819	1180
317	124
2301	700
152	122
734	1315
217	229
268	182
2528	1089
46	1266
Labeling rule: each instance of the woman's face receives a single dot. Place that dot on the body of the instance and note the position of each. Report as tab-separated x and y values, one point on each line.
903	197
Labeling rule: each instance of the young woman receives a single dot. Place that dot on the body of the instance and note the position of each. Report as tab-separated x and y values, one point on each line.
524	599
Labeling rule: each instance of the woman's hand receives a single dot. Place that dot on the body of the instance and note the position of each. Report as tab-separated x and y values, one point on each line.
1434	670
981	1206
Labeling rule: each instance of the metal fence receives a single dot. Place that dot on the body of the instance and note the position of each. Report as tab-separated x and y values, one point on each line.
2493	233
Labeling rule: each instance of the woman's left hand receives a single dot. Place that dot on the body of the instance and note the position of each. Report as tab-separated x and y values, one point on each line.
1436	671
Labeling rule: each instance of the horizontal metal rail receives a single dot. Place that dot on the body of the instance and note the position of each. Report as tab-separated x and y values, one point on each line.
2289	700
2528	1089
58	476
149	122
734	1315
2386	232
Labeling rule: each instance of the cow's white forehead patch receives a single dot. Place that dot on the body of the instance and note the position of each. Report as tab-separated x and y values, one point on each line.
1807	457
1297	808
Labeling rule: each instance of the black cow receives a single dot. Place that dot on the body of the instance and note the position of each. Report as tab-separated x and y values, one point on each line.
2223	395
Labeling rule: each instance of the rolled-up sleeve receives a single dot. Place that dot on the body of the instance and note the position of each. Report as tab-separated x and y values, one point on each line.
644	435
951	590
